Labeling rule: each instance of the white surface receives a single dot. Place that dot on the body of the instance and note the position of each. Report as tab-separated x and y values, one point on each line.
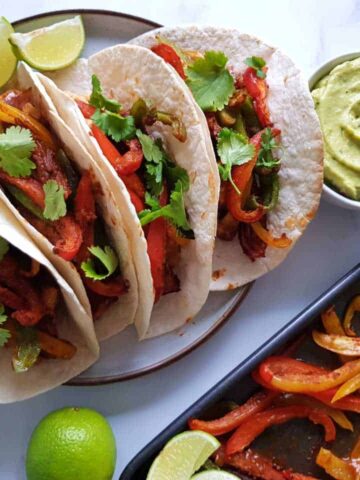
311	31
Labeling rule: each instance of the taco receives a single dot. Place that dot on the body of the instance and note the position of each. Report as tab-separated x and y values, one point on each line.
266	137
52	186
142	128
46	337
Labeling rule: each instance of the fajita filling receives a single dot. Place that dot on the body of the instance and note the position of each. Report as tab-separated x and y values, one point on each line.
156	185
56	198
29	308
244	139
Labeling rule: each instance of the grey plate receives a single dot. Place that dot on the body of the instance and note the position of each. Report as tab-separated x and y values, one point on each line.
123	357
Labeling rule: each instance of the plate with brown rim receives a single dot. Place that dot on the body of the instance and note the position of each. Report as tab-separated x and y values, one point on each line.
123	356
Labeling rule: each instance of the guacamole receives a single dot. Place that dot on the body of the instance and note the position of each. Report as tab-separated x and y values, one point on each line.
337	102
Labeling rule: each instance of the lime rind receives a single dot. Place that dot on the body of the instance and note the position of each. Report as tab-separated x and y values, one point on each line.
183	455
8	59
51	48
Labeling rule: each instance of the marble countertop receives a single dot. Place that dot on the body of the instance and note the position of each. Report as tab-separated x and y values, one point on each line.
311	32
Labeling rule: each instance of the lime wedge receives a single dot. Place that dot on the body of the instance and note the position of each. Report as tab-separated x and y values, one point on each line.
8	59
53	47
182	456
214	475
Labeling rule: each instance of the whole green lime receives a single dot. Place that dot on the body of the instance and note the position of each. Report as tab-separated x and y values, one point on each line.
71	444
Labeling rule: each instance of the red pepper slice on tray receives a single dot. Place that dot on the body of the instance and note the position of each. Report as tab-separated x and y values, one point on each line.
288	374
254	426
258	402
257	89
167	53
335	466
241	175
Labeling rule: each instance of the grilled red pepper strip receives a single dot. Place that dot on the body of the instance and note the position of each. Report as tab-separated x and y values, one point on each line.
11	299
350	403
107	288
9	276
65	234
258	402
123	164
167	53
156	247
248	431
257	89
241	175
133	182
85	214
293	375
31	187
136	201
86	109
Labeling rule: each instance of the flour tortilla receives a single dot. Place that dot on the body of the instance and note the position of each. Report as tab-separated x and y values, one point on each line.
292	110
73	324
127	73
122	312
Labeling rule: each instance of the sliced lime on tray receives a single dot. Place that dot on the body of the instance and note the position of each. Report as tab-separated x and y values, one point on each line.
8	59
51	48
182	456
214	475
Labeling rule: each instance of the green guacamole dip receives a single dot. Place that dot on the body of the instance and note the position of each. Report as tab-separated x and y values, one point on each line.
337	102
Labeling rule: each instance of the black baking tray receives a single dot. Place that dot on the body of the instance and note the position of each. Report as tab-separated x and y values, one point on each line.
238	386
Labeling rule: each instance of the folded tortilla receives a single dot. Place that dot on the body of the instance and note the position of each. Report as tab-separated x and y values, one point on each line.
122	312
127	73
73	324
291	108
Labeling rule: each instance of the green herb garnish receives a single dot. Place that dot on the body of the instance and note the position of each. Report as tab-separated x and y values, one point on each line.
107	259
55	206
233	149
16	147
266	158
4	332
28	349
257	63
210	82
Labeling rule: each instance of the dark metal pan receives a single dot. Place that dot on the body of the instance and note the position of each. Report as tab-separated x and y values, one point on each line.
294	446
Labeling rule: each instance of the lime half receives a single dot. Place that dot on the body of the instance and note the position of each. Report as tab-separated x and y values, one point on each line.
53	47
183	455
8	59
214	475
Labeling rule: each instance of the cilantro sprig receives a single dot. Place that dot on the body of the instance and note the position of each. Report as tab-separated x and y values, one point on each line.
107	116
4	332
174	211
233	149
16	147
55	206
4	248
210	82
27	350
257	63
266	157
106	259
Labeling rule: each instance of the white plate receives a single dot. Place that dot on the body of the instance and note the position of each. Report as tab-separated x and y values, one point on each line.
123	357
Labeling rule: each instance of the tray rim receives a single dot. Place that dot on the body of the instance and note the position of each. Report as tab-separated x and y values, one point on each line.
286	333
95	381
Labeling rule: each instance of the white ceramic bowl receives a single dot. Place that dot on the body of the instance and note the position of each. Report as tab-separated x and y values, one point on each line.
329	193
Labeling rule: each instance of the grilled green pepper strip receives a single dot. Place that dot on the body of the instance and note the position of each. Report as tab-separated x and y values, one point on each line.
248	112
25	201
271	187
240	126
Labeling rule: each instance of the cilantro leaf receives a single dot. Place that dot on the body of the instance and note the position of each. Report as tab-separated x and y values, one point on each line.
175	173
99	100
257	63
266	157
4	248
155	158
233	149
210	82
107	260
16	147
4	332
27	351
114	125
55	206
174	212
